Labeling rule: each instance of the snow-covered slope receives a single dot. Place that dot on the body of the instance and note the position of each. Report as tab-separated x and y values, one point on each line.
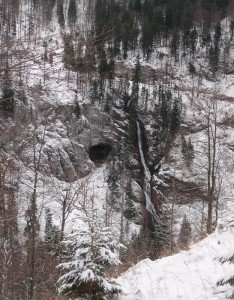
189	275
48	121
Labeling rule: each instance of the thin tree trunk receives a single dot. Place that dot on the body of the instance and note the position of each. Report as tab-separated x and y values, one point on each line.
33	211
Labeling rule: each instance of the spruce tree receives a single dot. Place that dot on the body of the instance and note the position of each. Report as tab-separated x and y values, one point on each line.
147	37
158	132
69	52
35	4
51	234
14	27
77	110
8	92
94	91
124	154
129	211
186	38
229	279
191	69
183	145
162	232
190	153
193	40
206	36
132	122
175	116
94	253
113	171
187	151
165	101
218	32
214	59
100	20
137	5
175	43
77	107
214	52
108	103
103	67
60	13
185	234
72	12
21	92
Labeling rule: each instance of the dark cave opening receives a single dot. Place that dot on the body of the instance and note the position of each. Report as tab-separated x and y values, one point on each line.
99	153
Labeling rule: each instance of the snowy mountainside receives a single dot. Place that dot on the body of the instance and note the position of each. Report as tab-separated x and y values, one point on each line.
189	275
64	154
64	146
46	125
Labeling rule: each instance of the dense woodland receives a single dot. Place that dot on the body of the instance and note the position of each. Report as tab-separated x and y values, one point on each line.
41	265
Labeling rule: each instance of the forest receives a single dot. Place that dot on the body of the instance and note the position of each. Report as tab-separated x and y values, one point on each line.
116	140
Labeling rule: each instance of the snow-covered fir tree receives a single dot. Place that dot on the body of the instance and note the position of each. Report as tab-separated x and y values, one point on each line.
162	232
95	251
185	233
229	278
51	234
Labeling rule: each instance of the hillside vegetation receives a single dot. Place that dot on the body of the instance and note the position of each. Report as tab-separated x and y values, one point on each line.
117	141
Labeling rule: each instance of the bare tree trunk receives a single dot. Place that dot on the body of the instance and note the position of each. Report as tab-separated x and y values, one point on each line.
172	216
33	216
212	162
209	170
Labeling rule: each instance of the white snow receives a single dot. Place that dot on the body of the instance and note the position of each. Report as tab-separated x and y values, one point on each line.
189	275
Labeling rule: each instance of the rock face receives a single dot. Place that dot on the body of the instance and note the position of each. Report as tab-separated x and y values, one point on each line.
87	139
70	144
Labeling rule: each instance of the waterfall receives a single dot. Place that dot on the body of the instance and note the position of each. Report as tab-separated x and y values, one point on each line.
147	178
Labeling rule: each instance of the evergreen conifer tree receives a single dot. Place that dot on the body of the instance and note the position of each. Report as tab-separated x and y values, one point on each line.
72	12
69	52
229	280
187	151
185	233
8	92
162	232
14	27
113	171
35	4
191	68
129	211
60	13
214	59
137	5
147	37
190	152
175	43
51	234
21	92
183	147
175	116
165	102
103	67
124	154
214	51
193	40
94	253
94	92
77	107
107	106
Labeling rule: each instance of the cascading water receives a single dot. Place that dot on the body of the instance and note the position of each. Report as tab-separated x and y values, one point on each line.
147	186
